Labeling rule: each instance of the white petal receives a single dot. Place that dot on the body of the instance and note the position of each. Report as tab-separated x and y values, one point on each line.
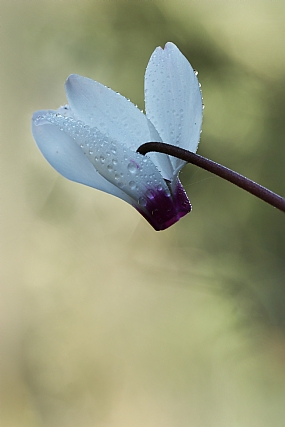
135	175
61	151
115	116
111	113
173	99
161	161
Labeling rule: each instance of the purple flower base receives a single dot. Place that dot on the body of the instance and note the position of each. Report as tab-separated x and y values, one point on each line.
163	210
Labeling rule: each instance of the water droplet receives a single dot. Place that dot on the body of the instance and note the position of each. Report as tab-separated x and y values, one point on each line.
119	183
159	187
110	168
142	201
149	194
90	152
113	149
132	185
155	213
132	168
114	161
102	159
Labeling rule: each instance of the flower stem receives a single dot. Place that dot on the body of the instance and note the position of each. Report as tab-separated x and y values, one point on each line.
213	167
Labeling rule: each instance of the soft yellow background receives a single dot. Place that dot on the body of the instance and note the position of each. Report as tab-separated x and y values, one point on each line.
103	321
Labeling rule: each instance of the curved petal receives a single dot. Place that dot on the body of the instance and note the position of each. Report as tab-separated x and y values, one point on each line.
173	99
115	116
133	174
66	157
128	170
108	111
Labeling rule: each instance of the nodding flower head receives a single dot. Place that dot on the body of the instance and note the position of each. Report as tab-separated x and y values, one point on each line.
93	140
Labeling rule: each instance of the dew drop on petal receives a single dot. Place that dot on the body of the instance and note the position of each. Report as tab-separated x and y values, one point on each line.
119	183
132	168
132	185
142	201
149	194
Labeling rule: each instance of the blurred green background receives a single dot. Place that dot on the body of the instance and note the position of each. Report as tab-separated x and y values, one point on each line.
103	321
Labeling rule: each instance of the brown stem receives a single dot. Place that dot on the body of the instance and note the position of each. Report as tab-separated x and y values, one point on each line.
228	174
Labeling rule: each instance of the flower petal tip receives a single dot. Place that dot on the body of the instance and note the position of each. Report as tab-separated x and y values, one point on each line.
72	82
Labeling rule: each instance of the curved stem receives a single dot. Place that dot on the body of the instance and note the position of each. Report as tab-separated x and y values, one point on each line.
228	174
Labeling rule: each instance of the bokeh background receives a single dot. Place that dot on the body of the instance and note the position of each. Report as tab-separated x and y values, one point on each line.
103	321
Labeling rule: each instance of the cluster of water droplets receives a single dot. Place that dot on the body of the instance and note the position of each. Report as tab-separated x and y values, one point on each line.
135	174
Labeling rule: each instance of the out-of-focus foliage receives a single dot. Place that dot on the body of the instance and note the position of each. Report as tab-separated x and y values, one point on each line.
104	322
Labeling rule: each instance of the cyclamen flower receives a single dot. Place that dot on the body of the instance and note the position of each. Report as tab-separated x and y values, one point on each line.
93	140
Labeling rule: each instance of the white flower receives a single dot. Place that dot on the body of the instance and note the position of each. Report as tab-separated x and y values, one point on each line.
93	140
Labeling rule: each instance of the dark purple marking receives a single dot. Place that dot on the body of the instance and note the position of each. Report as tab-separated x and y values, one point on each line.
162	210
